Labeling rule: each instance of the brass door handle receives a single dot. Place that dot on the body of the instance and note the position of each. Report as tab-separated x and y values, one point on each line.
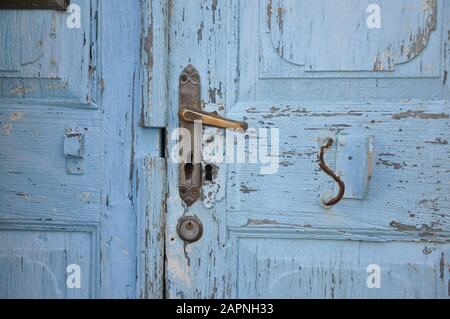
189	112
336	199
210	119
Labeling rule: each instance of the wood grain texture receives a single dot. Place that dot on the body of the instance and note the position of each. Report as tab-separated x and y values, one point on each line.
127	246
406	29
264	235
151	199
154	46
198	37
49	219
34	184
35	65
119	34
269	237
33	261
290	268
409	168
89	78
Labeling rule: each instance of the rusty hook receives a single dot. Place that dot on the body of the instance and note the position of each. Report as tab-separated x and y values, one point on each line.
329	172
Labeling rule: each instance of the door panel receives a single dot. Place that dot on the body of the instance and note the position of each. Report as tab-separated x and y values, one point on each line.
50	202
406	29
292	267
33	262
267	235
68	128
36	176
36	43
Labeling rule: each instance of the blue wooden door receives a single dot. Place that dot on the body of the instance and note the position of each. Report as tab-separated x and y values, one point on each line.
370	74
83	174
69	87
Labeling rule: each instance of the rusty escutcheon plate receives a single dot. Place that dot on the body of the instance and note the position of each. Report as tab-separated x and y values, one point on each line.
190	229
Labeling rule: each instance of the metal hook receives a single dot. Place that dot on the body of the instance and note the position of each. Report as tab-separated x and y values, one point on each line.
333	201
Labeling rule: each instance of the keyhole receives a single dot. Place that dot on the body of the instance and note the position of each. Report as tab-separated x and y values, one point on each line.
189	226
208	173
188	169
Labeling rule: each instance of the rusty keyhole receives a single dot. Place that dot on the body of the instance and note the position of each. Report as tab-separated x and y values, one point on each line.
189	226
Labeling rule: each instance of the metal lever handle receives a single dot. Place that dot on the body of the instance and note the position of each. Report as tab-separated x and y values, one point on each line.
333	201
210	119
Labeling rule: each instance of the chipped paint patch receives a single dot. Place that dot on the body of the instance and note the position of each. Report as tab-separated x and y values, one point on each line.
260	222
438	141
24	196
414	46
247	190
6	129
177	270
214	10
377	64
428	250
21	90
419	115
58	86
35	132
200	33
432	204
390	164
16	116
213	191
448	287
269	15
403	227
84	197
213	186
286	163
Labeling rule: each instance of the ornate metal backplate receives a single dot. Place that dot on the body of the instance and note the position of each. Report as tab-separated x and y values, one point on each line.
190	167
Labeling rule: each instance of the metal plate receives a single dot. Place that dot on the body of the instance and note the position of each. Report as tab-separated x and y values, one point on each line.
190	229
354	164
190	168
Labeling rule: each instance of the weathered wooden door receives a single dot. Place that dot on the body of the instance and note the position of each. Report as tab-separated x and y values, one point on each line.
82	171
68	87
369	72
